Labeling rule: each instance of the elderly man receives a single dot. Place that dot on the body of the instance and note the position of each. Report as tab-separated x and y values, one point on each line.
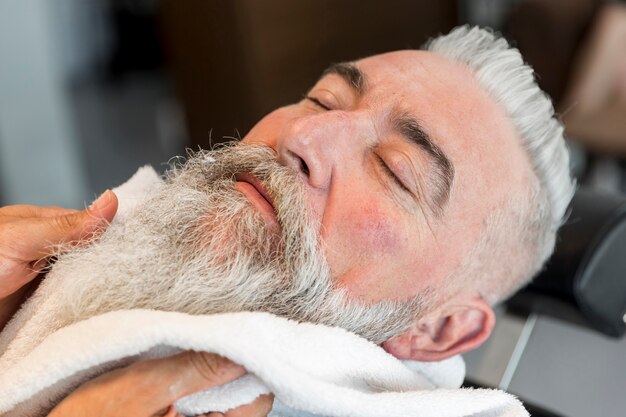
400	199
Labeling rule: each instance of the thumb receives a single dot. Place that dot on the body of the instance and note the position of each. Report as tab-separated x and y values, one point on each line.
81	225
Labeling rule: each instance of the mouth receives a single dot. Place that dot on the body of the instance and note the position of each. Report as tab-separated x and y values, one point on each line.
258	195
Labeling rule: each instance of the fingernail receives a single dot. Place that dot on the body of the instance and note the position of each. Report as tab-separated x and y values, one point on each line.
102	201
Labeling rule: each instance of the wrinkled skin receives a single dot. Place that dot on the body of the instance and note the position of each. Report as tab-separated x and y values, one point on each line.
380	239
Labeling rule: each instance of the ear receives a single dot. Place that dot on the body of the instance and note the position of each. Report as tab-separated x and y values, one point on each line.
458	327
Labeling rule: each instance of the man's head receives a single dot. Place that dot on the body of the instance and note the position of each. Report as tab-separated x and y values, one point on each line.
407	193
439	171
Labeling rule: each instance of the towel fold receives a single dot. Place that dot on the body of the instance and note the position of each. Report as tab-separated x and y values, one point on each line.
311	369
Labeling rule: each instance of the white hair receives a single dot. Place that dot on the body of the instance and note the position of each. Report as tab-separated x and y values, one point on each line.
527	226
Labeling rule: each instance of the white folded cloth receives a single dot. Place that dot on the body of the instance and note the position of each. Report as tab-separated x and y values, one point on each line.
311	369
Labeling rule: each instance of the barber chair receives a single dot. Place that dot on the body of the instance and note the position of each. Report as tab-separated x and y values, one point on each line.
584	282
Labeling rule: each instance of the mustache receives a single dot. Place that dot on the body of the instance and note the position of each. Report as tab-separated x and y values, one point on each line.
215	171
197	245
206	170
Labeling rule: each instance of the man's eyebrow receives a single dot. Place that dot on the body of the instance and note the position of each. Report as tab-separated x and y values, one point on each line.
351	74
442	176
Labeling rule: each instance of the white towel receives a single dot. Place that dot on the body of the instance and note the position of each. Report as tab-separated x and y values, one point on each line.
311	369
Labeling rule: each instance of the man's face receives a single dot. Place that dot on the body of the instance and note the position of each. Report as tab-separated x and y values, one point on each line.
403	156
196	245
381	188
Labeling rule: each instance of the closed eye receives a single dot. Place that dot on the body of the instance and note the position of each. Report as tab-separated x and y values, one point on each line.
392	175
317	102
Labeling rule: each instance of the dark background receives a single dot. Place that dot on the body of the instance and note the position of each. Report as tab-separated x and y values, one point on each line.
92	89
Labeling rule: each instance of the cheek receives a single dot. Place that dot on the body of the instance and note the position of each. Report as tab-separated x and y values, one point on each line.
363	245
376	232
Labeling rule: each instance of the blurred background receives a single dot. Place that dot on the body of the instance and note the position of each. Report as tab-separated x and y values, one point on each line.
92	89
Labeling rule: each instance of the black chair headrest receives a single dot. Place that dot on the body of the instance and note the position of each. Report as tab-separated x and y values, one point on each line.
587	272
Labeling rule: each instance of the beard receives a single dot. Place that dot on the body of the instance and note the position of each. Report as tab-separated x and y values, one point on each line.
197	245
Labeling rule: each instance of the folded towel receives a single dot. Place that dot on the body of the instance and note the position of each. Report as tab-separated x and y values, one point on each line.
37	318
311	369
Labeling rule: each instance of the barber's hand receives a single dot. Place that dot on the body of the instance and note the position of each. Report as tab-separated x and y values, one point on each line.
29	233
149	388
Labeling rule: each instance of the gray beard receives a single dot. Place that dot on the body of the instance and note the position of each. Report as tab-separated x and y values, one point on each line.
196	245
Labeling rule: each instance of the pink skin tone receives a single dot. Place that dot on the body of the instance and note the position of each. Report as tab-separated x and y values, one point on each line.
259	197
381	242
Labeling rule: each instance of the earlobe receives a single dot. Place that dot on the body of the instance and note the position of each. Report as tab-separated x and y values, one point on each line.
456	329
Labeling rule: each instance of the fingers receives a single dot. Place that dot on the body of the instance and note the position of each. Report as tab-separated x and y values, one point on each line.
149	388
81	224
209	370
204	371
28	234
260	407
37	235
24	211
13	276
180	375
168	412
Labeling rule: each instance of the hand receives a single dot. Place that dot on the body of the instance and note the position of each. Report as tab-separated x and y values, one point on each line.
149	388
28	235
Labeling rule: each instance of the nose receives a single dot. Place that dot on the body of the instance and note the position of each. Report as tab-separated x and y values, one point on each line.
318	146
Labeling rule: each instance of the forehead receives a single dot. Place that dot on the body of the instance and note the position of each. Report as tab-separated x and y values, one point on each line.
470	127
412	66
460	115
442	94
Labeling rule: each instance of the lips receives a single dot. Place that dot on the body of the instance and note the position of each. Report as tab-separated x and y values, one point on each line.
258	195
